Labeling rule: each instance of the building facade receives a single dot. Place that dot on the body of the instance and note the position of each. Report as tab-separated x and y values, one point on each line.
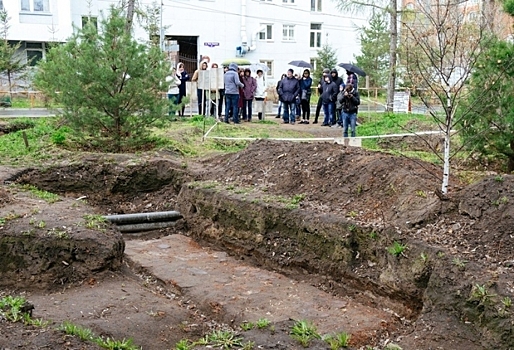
272	32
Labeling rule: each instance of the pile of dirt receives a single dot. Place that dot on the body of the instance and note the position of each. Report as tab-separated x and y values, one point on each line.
371	189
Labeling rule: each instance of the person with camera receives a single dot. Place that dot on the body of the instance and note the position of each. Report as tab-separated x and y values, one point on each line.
350	103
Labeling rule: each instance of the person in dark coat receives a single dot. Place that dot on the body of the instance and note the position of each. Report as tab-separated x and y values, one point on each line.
288	91
279	100
326	72
338	81
184	77
351	102
232	86
351	78
305	96
248	94
328	97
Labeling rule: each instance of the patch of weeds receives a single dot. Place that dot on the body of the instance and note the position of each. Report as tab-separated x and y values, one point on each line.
352	228
95	222
352	214
13	308
249	345
480	293
459	263
373	235
84	334
38	322
360	188
498	178
11	216
262	323
242	190
440	254
112	344
59	233
255	201
41	224
48	197
294	203
223	339
421	193
424	257
28	233
246	326
208	185
230	187
337	341
183	344
397	249
507	302
304	332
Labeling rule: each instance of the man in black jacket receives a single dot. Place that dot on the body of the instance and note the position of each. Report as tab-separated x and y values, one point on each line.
326	72
328	97
288	92
351	102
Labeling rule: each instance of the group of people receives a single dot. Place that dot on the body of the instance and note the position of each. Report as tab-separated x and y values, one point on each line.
340	100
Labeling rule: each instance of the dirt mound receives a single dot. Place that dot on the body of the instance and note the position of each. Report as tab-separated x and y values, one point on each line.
369	186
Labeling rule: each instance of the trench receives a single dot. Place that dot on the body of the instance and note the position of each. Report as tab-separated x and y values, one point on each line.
337	257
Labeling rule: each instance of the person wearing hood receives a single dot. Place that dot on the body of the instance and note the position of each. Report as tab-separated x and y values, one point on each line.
260	94
326	72
288	92
338	81
351	102
200	93
232	85
248	94
328	97
305	96
351	78
184	77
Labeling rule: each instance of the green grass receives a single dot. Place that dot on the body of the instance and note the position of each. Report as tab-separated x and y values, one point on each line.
304	332
85	334
48	197
397	249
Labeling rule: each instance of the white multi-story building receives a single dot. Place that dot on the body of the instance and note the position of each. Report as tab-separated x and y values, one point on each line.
273	32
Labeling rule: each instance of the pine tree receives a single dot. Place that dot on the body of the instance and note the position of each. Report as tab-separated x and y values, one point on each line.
108	83
11	62
374	41
327	58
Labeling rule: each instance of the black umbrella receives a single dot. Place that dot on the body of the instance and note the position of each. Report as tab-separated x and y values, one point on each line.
301	64
352	68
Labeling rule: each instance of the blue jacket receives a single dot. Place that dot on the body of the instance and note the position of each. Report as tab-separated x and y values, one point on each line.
231	80
289	89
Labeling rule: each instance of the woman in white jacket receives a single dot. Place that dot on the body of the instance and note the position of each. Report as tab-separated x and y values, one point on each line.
173	90
260	94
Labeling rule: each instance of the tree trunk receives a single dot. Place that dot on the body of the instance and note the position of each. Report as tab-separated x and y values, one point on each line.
447	135
393	44
130	15
510	165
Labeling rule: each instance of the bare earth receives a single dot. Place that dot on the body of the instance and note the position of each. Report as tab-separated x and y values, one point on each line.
170	284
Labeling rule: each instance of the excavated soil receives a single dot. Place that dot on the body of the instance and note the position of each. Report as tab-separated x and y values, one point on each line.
311	211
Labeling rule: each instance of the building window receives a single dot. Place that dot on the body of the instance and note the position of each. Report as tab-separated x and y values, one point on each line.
34	52
1	4
313	64
288	32
288	1
315	35
87	19
37	5
269	64
316	5
267	33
